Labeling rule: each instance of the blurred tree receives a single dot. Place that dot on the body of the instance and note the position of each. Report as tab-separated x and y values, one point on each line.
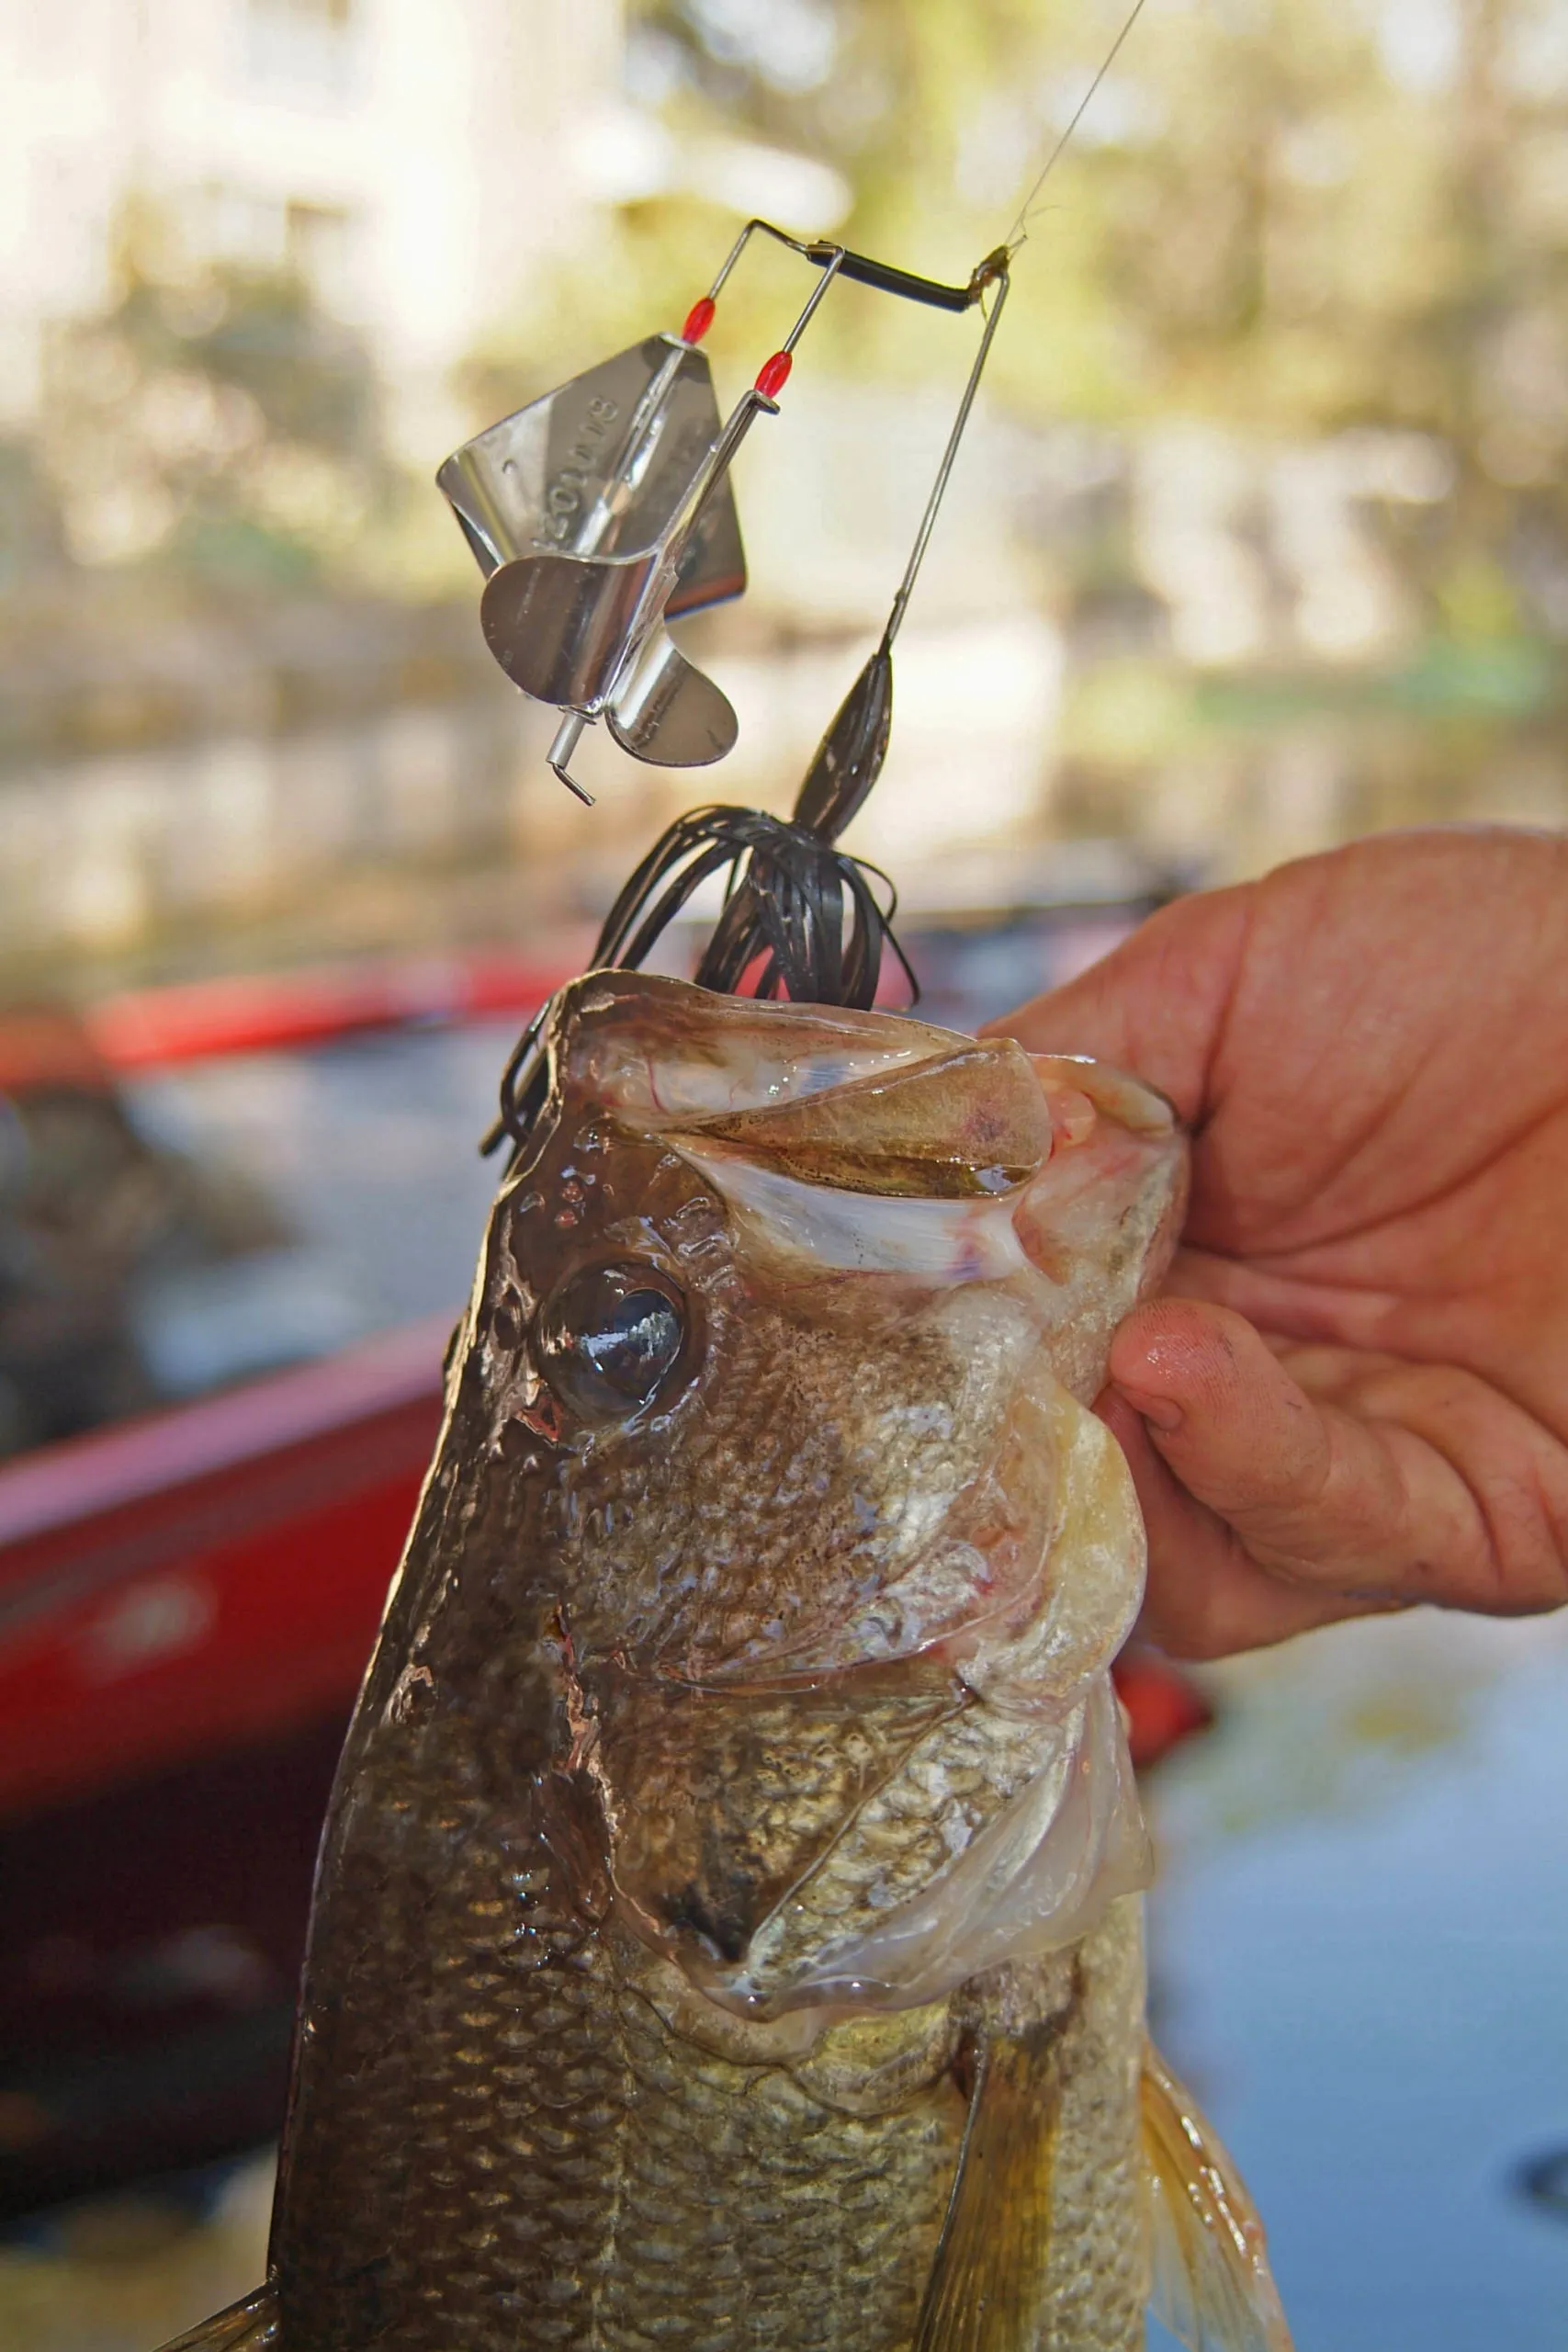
32	542
221	423
1292	216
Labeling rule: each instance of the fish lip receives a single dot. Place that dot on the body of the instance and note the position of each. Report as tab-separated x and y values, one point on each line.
1122	1092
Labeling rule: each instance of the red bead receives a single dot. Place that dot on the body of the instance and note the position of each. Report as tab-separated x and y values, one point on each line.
699	318
774	375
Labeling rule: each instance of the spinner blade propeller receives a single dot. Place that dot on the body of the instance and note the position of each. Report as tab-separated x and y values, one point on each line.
598	513
603	512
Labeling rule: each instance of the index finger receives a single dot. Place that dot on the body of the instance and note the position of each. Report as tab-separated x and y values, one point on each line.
1334	1473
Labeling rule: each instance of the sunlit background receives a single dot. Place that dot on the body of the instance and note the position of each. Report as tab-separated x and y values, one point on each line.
1258	541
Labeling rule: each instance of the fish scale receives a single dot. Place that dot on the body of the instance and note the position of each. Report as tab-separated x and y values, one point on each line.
789	2200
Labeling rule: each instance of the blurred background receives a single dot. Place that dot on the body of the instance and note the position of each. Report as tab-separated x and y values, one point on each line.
1258	540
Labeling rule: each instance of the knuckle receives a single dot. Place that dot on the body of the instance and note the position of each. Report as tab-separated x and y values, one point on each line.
1535	1583
1526	1516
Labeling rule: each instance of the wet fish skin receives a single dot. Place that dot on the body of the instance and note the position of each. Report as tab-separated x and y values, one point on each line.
637	2011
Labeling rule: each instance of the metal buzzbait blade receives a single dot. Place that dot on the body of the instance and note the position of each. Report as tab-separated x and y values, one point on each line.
603	512
572	507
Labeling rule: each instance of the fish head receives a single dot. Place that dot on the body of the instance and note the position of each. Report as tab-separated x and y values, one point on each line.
787	1324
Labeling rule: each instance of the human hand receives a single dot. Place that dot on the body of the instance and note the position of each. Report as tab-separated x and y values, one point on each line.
1353	1394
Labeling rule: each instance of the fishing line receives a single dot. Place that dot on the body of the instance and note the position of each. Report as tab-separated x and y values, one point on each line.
1018	234
800	918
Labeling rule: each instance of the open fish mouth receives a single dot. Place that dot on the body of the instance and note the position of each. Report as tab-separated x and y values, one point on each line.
873	1749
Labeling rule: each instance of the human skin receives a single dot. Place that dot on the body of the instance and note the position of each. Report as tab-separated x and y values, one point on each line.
1352	1394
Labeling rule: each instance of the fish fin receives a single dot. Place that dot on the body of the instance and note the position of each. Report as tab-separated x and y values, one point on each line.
986	2287
1212	2286
250	2325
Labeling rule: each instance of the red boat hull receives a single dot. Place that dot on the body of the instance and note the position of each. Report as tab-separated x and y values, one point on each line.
209	1577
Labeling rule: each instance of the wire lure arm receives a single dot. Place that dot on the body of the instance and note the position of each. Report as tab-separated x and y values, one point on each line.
849	758
888	280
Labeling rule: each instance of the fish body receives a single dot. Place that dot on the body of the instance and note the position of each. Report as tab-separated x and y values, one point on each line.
726	1930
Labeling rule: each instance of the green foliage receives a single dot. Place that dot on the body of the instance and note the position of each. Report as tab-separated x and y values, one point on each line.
1265	216
31	540
1279	214
1292	217
223	426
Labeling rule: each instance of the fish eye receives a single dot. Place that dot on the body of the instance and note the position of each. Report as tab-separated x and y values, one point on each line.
609	1338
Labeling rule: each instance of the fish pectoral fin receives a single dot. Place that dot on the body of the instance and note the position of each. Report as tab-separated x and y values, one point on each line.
249	2325
1212	2286
987	2289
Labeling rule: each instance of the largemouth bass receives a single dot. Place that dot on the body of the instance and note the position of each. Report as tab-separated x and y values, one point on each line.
726	1932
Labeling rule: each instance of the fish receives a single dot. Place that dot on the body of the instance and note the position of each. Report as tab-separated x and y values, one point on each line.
728	1929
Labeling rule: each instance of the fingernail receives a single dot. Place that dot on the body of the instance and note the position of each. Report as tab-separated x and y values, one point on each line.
1161	1412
